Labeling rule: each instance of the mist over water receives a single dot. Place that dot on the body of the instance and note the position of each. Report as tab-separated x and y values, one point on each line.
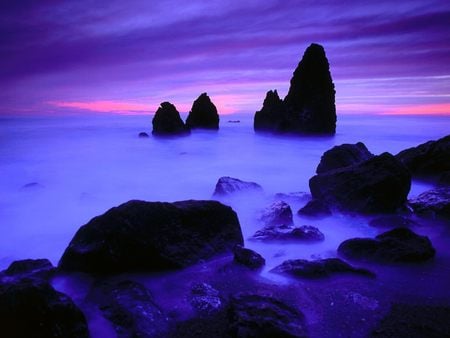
84	165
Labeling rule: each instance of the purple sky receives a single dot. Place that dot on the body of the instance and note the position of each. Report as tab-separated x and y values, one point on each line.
63	56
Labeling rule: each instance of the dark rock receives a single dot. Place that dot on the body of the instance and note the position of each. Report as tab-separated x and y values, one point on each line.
130	308
415	321
317	268
253	315
433	203
380	184
143	134
392	221
305	233
315	208
428	160
248	258
205	299
397	245
32	308
234	121
444	178
273	116
278	213
32	185
343	156
309	106
228	185
31	268
203	114
152	236
167	121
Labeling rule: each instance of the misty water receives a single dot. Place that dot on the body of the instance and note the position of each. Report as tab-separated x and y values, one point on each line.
56	173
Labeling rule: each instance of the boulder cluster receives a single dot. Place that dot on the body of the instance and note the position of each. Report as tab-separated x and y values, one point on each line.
203	115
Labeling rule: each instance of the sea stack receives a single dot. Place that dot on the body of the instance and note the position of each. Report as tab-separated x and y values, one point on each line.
203	114
309	107
167	121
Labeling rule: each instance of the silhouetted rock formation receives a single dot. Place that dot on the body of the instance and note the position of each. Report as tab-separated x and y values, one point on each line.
428	160
143	134
152	236
248	257
309	106
253	315
167	121
433	203
343	156
129	306
318	268
380	184
229	185
31	307
203	114
412	320
397	245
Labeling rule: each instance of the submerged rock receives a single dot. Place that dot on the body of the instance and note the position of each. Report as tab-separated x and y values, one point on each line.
278	213
248	257
397	245
306	233
315	208
309	106
229	185
143	134
30	268
433	203
392	221
152	236
253	315
33	308
428	160
317	268
294	197
380	184
205	299
408	320
203	114
130	308
343	156
167	121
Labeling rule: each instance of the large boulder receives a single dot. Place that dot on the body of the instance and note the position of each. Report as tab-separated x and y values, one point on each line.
130	308
315	208
253	315
152	236
203	114
229	185
30	268
309	106
33	308
397	245
411	320
428	160
380	184
432	203
318	268
343	156
167	121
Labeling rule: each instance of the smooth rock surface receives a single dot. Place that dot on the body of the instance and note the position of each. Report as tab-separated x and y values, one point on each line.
153	236
229	185
343	156
248	257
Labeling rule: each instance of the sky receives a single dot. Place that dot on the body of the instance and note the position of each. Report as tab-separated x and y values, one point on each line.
63	57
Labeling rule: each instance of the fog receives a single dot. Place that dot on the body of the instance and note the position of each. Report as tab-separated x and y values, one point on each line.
84	165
